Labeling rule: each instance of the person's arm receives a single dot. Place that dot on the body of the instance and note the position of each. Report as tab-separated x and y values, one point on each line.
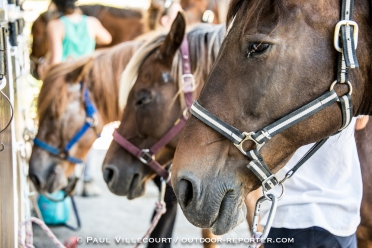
361	122
101	35
55	32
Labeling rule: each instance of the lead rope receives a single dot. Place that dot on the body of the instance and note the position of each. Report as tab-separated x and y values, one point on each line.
27	242
160	210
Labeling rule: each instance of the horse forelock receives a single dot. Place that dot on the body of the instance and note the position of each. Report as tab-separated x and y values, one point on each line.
250	8
204	43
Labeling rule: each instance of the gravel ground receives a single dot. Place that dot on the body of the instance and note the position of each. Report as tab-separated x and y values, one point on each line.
110	216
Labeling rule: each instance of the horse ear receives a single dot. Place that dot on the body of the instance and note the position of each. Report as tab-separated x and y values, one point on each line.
174	38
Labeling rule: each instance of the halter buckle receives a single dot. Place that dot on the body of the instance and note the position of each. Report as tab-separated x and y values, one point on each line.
63	155
248	136
92	120
188	82
145	156
336	39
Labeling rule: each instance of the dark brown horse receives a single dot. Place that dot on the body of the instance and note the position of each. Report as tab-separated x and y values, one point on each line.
123	25
277	57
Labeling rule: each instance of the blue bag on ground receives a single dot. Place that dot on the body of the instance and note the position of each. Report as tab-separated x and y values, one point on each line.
55	213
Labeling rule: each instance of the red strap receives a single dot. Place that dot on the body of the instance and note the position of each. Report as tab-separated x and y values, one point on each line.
187	77
169	135
135	151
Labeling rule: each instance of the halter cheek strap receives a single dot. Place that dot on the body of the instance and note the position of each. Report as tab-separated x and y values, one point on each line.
348	30
90	122
147	156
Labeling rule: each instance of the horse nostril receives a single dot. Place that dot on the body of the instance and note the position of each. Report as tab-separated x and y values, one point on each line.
185	192
108	174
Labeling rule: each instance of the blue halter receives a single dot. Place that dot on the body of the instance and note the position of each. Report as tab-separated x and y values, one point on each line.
90	122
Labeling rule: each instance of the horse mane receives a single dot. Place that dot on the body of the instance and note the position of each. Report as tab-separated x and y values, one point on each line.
99	72
94	10
204	43
251	7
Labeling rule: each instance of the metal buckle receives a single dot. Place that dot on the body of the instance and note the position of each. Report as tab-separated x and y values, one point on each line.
248	136
145	156
348	83
265	233
336	39
188	83
208	16
92	121
264	190
63	155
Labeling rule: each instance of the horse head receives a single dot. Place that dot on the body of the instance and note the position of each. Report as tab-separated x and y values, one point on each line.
150	111
63	112
277	57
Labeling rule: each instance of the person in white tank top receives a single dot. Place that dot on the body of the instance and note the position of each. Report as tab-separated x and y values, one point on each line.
322	201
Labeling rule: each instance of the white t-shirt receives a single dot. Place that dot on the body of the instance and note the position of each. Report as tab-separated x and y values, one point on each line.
325	192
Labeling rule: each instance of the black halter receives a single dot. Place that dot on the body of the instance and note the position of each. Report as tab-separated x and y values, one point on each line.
348	31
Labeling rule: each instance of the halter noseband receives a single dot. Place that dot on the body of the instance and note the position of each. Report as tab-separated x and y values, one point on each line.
90	122
348	31
147	156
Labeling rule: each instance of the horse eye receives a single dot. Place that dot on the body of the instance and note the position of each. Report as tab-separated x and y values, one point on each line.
166	77
257	48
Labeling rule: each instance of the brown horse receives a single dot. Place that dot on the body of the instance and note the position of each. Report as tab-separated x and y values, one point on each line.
62	113
288	48
123	25
151	92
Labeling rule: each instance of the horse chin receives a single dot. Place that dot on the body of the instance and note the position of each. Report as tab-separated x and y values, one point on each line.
229	215
227	220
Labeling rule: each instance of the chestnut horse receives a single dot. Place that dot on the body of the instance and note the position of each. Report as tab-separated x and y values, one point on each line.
122	24
62	111
288	47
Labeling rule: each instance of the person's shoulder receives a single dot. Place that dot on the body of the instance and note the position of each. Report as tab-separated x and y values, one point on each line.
55	24
92	20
